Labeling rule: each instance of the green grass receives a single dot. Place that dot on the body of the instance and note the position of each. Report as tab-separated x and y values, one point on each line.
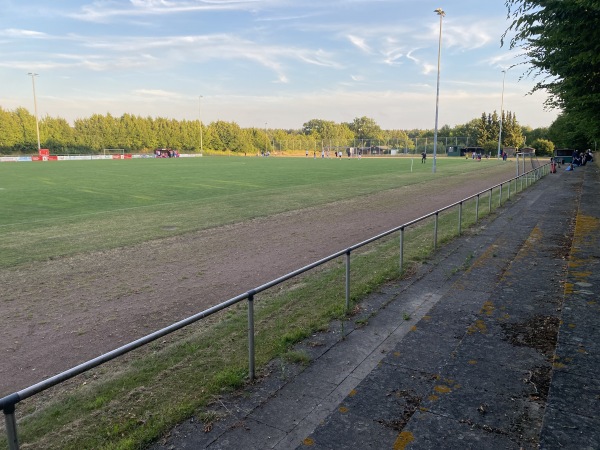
127	403
62	208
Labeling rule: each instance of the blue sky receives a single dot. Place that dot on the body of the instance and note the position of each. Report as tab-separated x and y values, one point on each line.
257	62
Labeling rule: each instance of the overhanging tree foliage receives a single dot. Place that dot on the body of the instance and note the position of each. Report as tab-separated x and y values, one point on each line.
561	40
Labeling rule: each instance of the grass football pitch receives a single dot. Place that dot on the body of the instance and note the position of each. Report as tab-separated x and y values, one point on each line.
54	209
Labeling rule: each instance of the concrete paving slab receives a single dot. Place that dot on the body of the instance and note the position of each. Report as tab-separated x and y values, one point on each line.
431	431
477	348
287	408
563	429
430	361
345	430
253	434
389	394
579	395
489	396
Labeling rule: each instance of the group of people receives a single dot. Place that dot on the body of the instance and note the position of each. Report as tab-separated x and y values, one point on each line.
336	154
580	159
479	155
166	153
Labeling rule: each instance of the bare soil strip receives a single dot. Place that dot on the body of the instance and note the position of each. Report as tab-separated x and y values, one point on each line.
60	313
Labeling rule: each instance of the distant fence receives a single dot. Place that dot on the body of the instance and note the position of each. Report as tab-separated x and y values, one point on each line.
37	158
9	402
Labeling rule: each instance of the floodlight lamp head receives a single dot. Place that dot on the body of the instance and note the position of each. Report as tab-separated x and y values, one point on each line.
440	12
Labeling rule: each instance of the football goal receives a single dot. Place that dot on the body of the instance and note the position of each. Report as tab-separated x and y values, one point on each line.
526	161
114	151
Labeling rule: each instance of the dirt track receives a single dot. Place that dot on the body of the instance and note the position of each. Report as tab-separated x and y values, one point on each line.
59	313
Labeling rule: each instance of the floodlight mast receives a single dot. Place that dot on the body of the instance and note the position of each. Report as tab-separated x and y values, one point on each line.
440	13
501	116
37	123
200	119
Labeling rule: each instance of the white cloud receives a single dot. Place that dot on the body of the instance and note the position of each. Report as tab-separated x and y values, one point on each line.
466	37
359	43
13	32
105	11
156	93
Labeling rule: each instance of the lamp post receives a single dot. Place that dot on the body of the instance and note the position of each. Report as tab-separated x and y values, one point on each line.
266	139
200	119
37	124
440	13
501	115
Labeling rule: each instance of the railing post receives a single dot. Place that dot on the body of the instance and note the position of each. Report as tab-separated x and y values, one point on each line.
477	209
348	281
401	249
459	218
251	370
509	183
11	427
521	182
435	230
500	200
490	201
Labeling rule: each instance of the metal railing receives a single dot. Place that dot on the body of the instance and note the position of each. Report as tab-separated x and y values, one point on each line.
9	402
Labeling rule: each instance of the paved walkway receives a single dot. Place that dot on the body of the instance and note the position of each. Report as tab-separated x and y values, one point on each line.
501	349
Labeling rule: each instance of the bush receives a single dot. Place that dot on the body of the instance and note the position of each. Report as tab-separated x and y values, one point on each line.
543	147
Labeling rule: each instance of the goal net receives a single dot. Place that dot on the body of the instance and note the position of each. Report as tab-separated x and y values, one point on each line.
526	161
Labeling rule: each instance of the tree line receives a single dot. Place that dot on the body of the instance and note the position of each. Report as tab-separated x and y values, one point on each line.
136	134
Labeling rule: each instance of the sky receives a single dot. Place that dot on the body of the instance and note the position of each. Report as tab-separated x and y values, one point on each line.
265	63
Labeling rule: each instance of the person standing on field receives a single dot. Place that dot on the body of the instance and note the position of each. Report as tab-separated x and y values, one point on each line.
423	157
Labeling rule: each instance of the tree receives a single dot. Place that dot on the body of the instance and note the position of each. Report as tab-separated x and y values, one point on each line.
10	137
25	124
543	147
227	136
365	128
490	147
561	40
533	134
487	130
512	134
568	132
57	135
319	129
398	139
483	133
